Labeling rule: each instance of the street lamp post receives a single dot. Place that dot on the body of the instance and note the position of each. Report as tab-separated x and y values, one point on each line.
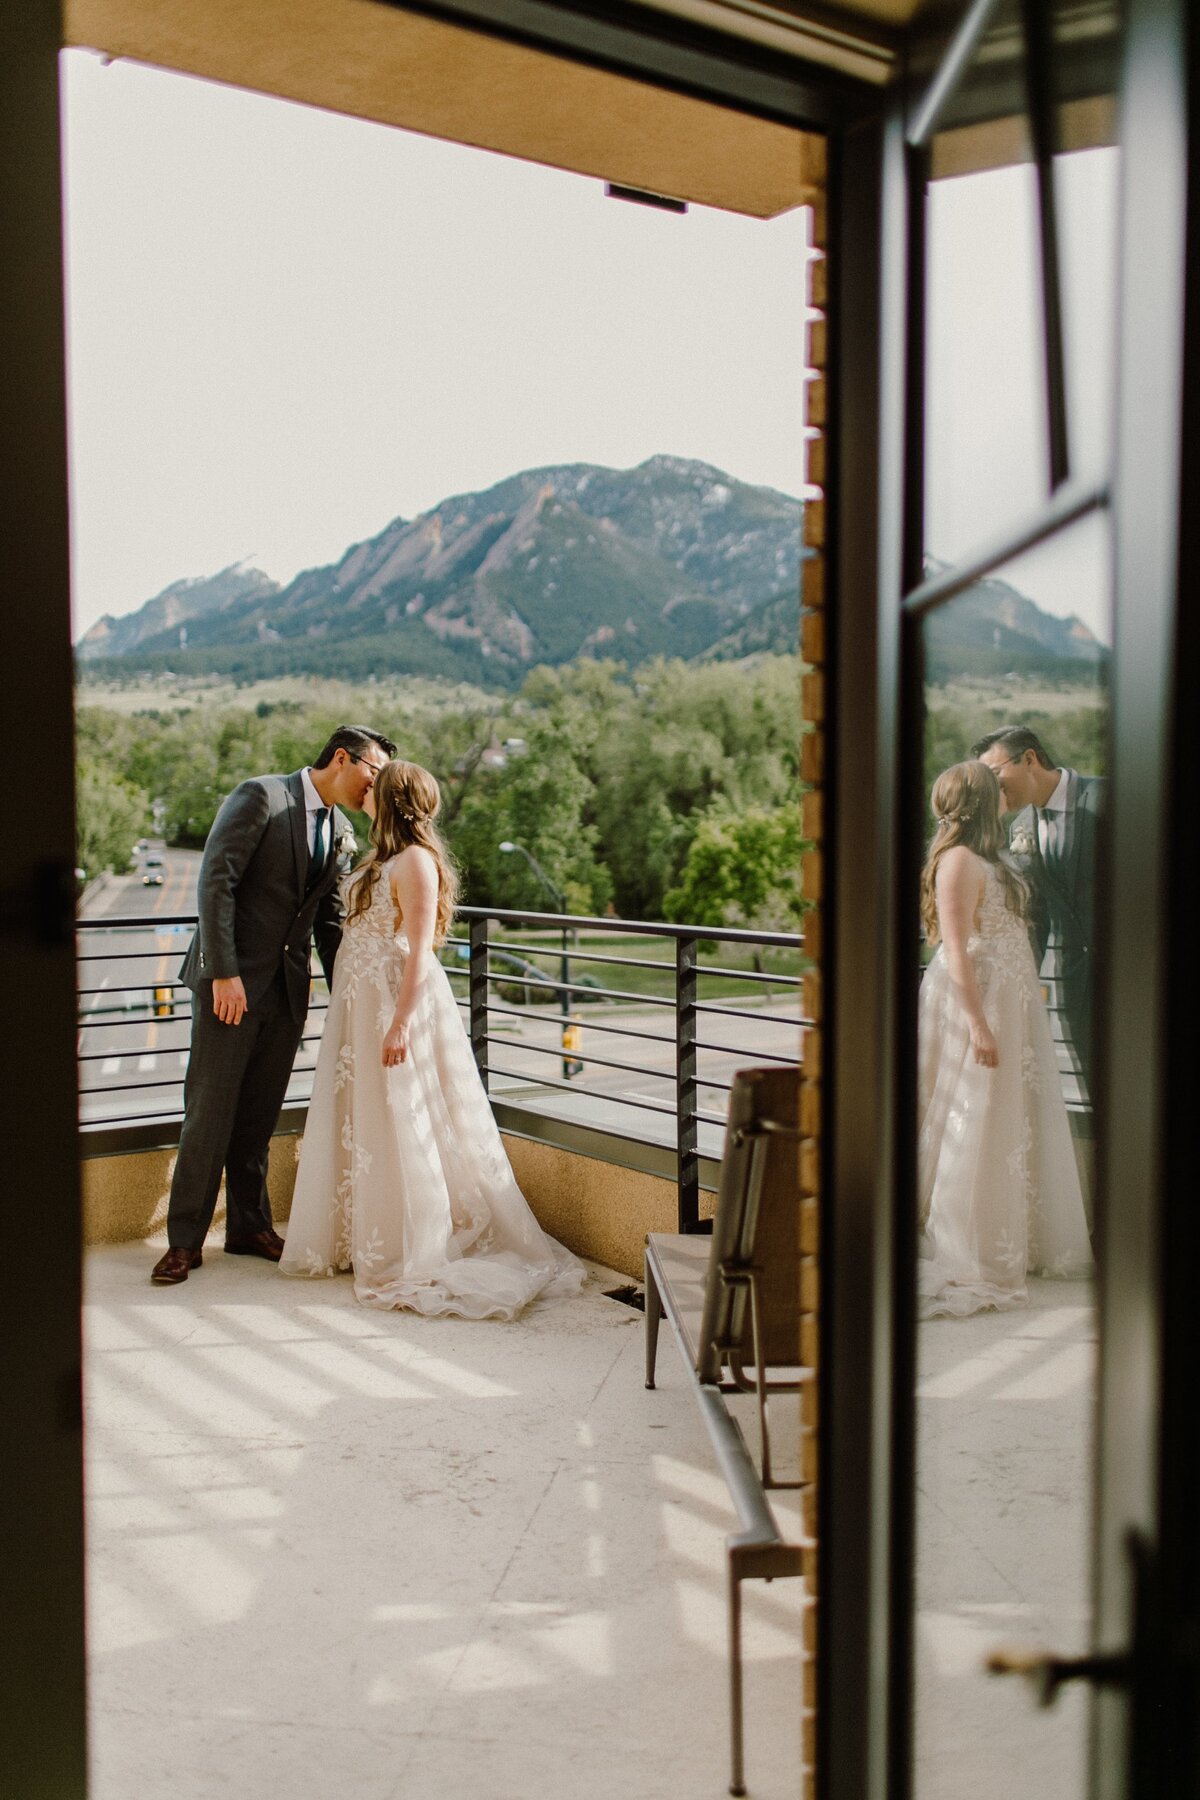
564	975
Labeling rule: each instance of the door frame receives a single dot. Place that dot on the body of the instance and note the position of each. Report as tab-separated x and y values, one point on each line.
1147	1465
44	1744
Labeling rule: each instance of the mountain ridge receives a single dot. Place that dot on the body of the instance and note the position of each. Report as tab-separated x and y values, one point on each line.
674	558
545	565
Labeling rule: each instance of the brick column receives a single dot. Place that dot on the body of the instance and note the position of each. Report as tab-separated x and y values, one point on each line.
812	774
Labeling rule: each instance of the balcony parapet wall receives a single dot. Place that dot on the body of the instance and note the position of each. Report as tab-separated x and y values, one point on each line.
600	1210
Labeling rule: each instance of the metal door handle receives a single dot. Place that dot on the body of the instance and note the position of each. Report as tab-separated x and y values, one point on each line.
1046	1673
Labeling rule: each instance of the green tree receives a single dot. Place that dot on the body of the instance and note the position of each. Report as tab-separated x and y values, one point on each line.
538	800
110	815
742	869
683	741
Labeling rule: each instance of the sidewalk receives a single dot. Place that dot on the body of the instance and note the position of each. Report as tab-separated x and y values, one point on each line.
339	1551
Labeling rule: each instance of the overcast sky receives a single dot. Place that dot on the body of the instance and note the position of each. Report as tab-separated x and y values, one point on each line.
286	328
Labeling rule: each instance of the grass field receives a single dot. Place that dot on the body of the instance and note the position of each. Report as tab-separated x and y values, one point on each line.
1001	702
177	693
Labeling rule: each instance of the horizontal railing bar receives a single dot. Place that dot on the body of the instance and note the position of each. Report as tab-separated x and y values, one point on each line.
667	969
131	987
133	1087
740	1012
596	993
136	922
588	1022
722	934
557	954
149	1118
588	956
569	1087
716	934
749	975
92	1022
774	1056
123	956
173	1115
604	1062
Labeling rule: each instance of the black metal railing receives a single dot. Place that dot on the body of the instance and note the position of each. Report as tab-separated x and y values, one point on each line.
673	1018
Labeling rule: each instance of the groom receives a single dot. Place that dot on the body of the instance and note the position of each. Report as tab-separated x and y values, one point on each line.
268	885
1053	819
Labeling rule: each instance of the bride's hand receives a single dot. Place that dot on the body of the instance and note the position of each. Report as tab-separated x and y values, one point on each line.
984	1046
395	1046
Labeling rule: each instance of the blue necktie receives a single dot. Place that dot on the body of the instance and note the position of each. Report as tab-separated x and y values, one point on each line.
319	849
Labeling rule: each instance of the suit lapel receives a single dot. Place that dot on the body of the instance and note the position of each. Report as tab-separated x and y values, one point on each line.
295	788
1058	872
1080	825
1069	828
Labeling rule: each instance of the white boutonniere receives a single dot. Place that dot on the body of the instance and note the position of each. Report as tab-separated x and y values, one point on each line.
346	845
1021	843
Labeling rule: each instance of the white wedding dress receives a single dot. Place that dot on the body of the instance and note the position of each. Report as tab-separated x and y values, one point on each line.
403	1177
998	1184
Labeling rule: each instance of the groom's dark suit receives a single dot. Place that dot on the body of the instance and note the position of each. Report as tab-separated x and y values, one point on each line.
262	900
1062	880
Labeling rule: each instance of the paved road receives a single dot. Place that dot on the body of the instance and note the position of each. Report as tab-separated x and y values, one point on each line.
134	1020
135	1026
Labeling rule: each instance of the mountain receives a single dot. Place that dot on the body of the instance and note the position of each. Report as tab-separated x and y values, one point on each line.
672	558
667	559
991	629
174	611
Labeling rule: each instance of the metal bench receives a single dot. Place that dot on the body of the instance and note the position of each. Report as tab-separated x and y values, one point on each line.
733	1302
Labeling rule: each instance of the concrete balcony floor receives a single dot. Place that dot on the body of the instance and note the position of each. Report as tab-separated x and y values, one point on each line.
342	1552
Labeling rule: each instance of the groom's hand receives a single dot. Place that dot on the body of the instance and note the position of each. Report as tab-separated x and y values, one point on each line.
229	1000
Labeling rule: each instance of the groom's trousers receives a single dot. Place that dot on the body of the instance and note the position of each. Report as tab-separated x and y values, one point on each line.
236	1080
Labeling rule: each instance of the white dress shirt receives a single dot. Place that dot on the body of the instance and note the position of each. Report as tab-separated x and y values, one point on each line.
313	804
1051	830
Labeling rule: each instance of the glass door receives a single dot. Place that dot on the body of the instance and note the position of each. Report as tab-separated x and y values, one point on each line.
1008	1588
1009	622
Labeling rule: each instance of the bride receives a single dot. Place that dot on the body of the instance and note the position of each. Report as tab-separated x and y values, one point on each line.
998	1184
403	1177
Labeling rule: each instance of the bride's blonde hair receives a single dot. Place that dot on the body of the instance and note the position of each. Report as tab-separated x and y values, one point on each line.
407	799
966	805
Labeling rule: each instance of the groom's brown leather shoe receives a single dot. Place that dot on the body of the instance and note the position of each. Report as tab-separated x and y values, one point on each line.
176	1266
257	1243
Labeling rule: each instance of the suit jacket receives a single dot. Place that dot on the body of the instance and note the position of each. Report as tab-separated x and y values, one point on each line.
258	912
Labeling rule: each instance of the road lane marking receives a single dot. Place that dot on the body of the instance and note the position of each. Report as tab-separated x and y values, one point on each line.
110	1065
146	1064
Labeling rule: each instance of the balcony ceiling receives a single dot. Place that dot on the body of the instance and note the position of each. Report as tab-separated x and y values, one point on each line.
398	68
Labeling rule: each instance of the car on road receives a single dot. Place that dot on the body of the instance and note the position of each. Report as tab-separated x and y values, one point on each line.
152	872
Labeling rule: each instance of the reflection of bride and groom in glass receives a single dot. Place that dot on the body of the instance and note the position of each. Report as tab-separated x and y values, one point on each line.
1010	912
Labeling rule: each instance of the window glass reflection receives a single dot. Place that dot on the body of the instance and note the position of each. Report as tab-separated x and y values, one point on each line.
987	456
1086	202
1015	707
987	460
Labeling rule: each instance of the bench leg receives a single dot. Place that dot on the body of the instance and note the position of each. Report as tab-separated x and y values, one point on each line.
737	1774
653	1318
